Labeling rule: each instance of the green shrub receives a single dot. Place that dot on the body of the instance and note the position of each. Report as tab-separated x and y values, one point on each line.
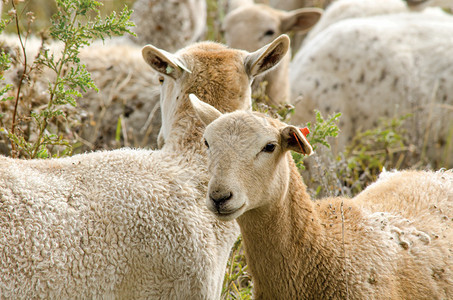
77	23
371	151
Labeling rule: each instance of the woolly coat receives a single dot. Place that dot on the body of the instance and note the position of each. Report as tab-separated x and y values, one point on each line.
124	224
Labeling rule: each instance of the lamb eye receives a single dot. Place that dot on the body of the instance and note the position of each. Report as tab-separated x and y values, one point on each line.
161	79
206	143
270	32
269	148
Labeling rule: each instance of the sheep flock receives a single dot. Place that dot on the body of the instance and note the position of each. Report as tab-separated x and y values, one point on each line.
178	190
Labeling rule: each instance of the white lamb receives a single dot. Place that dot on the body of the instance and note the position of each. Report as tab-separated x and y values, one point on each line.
392	241
252	26
169	24
382	67
130	224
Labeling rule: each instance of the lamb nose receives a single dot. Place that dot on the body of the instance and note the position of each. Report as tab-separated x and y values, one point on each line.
220	197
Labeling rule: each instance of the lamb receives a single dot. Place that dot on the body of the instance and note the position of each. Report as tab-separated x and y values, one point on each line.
383	66
170	25
251	26
392	241
130	223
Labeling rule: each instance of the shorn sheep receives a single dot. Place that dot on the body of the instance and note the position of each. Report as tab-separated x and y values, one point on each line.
382	67
392	241
252	26
130	223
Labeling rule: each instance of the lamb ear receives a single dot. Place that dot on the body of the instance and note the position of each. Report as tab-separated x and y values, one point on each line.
164	62
300	19
294	139
206	112
267	57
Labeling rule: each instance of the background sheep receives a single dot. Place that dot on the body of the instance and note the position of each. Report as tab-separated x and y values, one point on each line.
129	223
382	67
289	5
251	26
347	9
169	24
129	89
393	241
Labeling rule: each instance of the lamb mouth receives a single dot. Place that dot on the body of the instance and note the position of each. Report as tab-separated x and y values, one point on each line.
229	213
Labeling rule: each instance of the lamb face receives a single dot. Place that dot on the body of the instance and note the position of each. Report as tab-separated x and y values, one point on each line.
240	156
246	162
252	26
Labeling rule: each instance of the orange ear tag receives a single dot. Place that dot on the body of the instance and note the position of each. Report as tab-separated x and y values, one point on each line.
305	131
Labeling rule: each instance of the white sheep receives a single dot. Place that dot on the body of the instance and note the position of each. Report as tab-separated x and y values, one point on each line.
231	5
129	223
289	5
128	89
252	26
295	4
346	9
382	67
169	24
392	241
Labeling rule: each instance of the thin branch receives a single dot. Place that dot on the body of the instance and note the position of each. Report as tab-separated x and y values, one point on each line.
22	78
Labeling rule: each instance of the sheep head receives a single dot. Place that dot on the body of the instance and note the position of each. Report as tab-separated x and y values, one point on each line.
252	26
247	154
221	76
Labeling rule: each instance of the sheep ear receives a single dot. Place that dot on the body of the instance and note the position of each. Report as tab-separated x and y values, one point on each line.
206	112
164	62
294	139
267	57
300	19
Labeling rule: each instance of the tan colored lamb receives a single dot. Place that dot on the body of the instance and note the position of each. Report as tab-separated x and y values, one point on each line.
130	223
252	26
392	241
